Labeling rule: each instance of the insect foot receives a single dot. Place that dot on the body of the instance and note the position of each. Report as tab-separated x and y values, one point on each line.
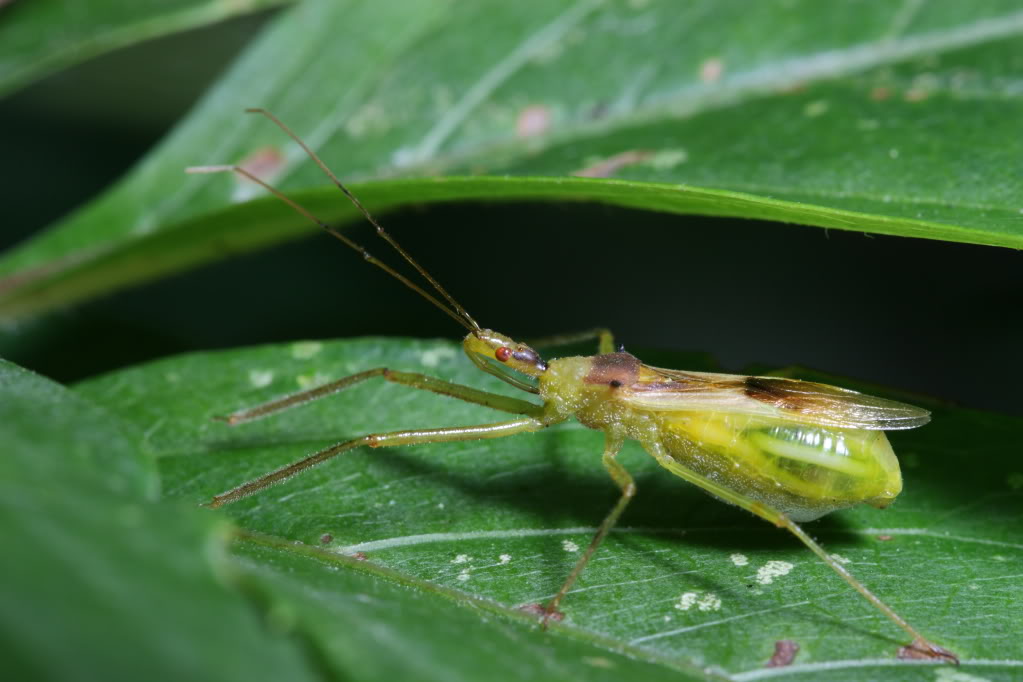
541	610
921	649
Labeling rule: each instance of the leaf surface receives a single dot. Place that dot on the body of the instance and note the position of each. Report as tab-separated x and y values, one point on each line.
683	580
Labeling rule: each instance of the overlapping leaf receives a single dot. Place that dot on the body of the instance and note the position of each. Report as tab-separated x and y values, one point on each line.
893	118
37	38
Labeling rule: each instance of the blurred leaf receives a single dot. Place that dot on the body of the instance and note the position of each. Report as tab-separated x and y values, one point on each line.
42	36
844	114
96	447
679	582
94	572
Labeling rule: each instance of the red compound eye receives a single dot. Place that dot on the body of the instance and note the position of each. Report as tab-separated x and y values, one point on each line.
502	354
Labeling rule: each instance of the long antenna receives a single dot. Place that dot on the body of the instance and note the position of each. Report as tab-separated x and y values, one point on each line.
367	256
358	204
459	314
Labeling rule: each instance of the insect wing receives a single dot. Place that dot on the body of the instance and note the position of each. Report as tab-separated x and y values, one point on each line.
790	399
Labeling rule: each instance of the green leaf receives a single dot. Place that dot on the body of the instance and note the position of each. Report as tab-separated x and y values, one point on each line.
38	38
95	573
100	451
488	526
372	623
882	117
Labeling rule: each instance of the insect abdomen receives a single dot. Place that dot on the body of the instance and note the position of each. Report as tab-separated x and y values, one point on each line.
803	470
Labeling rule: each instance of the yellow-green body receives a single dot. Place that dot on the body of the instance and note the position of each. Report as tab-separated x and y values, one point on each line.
803	470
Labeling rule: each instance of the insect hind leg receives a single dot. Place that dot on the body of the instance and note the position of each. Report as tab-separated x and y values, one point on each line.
921	647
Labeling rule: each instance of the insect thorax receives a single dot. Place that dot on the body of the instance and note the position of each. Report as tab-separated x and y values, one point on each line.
586	387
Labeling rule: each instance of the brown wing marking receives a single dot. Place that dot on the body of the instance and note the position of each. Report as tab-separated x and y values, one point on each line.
782	394
806	401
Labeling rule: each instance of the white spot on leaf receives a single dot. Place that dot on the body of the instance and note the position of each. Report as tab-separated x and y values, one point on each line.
815	108
953	675
464	575
666	159
739	559
705	602
304	350
771	570
840	559
461	559
598	661
709	602
505	558
434	356
310	380
569	546
686	601
260	377
370	119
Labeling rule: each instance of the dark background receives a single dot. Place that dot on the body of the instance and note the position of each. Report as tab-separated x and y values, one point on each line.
930	317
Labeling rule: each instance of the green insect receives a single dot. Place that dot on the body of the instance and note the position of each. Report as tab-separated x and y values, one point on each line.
783	449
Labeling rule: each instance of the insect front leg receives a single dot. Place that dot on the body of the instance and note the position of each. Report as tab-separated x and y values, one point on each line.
605	339
921	645
411	379
380	440
623	479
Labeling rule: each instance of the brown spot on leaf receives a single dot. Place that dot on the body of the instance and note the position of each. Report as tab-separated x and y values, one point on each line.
533	121
265	162
711	70
605	168
880	93
540	611
785	651
532	609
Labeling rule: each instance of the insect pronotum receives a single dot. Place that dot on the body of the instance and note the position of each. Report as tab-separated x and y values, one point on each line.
783	449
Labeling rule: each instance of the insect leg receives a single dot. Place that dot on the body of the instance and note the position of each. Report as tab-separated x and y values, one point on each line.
379	440
605	339
420	381
623	479
921	645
